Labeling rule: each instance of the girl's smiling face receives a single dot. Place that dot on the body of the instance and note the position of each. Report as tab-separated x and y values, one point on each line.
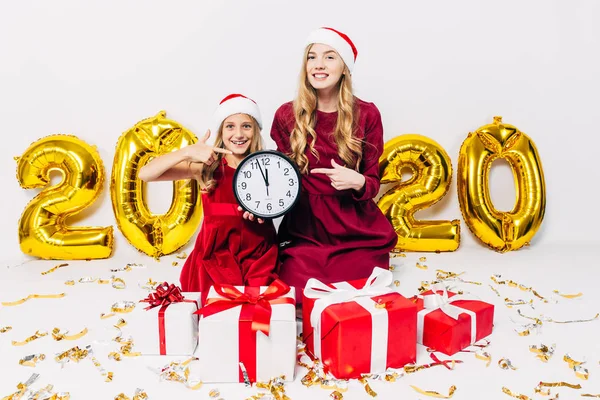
324	66
238	131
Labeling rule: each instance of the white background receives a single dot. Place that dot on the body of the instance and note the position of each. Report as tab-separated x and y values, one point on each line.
437	68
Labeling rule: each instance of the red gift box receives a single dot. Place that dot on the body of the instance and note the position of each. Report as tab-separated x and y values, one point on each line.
449	323
359	327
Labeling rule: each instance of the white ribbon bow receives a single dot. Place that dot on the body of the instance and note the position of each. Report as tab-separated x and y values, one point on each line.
435	301
378	284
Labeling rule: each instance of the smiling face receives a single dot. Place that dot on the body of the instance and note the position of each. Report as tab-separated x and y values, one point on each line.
238	133
324	66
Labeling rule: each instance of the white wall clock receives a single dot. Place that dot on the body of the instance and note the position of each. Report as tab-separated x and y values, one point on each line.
267	184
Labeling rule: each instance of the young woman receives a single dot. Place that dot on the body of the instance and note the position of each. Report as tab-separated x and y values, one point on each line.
336	232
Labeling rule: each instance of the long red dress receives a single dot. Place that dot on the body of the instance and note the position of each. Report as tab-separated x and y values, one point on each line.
229	249
334	235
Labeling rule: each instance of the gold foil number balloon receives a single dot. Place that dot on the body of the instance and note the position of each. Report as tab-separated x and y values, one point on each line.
153	234
501	231
431	177
42	228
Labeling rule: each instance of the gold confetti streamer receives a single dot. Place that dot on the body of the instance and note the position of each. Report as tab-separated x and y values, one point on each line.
174	263
70	283
336	395
181	256
367	387
485	356
495	290
35	336
560	384
394	255
396	283
123	307
275	387
32	360
87	279
505	363
392	267
214	393
543	352
32	296
180	372
568	296
105	316
51	270
421	266
590	395
513	284
423	259
117	283
103	281
539	390
120	323
431	393
573	321
5	329
581	372
510	303
515	395
22	388
58	336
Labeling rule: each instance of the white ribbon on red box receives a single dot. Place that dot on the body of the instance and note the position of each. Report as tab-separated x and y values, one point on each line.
436	301
379	283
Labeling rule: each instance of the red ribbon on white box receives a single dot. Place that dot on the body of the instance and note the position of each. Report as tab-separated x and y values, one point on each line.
379	283
436	301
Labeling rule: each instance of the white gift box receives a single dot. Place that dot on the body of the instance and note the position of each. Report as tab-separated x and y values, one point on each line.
180	327
220	343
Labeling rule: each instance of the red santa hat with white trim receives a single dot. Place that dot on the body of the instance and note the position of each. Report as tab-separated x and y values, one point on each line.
236	104
338	40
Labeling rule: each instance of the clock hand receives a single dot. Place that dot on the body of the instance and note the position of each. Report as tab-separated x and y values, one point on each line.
261	171
267	180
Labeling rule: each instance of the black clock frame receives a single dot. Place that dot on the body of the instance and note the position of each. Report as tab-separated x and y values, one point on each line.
258	153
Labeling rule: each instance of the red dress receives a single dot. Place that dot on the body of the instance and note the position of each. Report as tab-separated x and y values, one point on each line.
229	249
334	235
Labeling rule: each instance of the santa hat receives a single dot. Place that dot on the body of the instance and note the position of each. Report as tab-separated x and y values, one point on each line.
338	40
236	104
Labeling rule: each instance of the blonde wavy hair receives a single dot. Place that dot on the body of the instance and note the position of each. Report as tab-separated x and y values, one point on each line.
206	177
305	105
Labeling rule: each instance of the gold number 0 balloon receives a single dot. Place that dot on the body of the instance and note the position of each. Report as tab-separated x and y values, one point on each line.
155	235
431	177
501	231
42	229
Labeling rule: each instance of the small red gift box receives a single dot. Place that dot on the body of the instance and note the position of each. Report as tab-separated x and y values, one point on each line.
359	327
449	323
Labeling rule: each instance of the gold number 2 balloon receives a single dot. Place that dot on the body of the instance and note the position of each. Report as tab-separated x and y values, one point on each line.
42	228
499	230
431	177
153	234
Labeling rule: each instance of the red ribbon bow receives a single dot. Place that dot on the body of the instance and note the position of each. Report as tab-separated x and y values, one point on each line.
261	303
165	294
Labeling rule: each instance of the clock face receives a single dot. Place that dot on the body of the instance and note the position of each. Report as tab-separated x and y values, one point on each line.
267	184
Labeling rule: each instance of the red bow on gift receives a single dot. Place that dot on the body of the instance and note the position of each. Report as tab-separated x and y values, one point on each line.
232	297
165	294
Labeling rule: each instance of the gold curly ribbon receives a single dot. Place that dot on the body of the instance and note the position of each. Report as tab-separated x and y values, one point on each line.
431	393
5	329
367	387
560	384
70	283
51	270
117	283
485	356
590	395
495	290
568	296
140	394
58	336
103	281
505	363
421	266
123	307
507	391
35	336
31	360
543	352
513	284
275	387
32	296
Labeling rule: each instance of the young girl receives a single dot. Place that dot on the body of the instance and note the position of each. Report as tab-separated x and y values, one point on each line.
229	249
336	232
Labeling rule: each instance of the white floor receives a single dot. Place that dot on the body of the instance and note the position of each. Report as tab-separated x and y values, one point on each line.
568	268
